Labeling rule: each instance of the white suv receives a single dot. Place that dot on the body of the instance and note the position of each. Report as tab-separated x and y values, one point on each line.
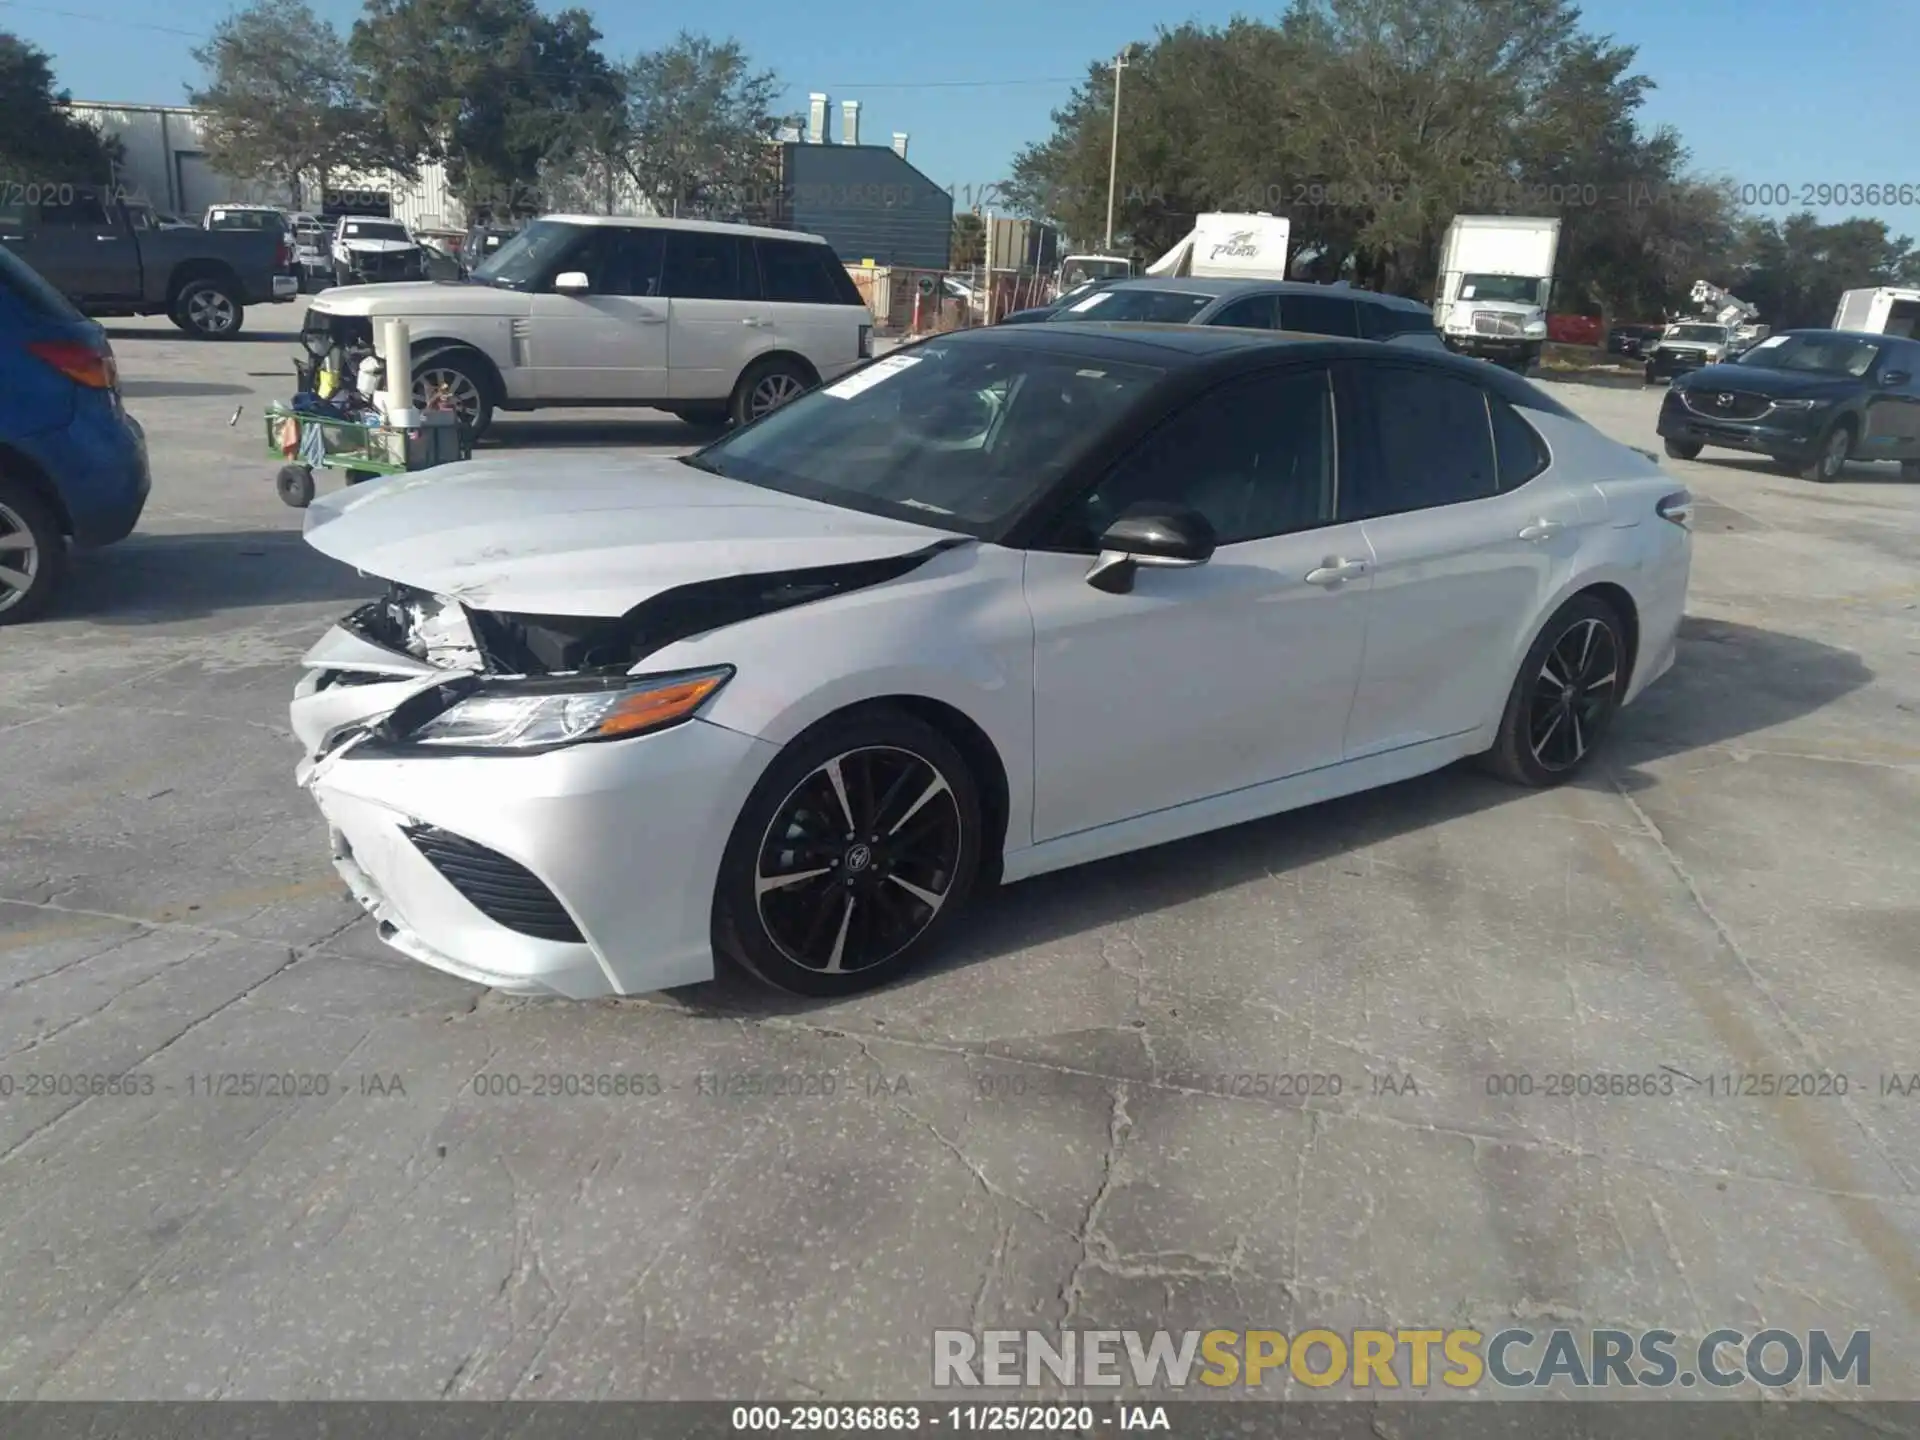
711	322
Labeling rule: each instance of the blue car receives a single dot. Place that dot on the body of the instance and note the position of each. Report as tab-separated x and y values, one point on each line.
73	463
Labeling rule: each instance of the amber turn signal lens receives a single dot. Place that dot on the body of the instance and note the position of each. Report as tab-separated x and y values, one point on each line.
652	708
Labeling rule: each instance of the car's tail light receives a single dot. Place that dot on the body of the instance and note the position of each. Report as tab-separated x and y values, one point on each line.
89	365
866	342
1677	509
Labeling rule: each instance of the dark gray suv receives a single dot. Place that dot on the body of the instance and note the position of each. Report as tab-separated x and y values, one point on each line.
1289	305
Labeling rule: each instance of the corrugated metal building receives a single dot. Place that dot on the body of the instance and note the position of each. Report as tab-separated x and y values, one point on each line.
867	201
167	166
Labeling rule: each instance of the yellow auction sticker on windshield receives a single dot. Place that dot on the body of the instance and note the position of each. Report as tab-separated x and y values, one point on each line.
865	379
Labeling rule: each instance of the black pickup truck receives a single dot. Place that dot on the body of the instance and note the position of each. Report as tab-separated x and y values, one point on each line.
114	258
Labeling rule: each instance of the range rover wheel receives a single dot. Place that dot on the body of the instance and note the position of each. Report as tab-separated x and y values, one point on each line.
454	377
1565	696
208	310
766	386
852	857
33	554
1682	449
1831	458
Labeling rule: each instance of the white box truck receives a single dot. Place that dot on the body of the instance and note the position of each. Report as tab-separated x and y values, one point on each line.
1496	279
1885	311
1230	247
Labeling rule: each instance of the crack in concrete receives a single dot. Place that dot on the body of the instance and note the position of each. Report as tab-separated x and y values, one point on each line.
1119	1126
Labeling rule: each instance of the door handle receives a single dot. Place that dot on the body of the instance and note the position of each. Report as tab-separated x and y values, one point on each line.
756	324
1334	571
1542	530
648	318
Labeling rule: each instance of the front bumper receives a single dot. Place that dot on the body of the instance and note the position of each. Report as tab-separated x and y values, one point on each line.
1663	363
1775	433
626	835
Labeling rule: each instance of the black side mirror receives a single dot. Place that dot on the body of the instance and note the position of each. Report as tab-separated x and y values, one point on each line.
1150	533
1895	377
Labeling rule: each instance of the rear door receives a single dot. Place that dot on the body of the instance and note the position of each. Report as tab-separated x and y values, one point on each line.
817	310
1249	312
81	247
718	321
1471	534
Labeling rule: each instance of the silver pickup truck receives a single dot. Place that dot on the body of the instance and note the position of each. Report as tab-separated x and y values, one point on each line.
114	258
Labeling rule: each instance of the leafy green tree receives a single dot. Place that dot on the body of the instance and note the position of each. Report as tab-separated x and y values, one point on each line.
699	122
42	142
282	98
1795	269
492	88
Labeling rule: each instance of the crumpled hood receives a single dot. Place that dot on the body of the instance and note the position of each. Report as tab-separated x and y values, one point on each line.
584	534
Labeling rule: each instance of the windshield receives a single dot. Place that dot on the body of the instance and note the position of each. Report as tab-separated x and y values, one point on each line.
373	230
1816	354
246	220
1166	307
957	436
523	259
1699	334
1094	267
1513	289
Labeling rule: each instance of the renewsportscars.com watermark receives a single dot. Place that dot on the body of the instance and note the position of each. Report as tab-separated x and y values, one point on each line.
1376	1360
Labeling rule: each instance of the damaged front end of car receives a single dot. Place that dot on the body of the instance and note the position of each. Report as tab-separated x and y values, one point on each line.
417	673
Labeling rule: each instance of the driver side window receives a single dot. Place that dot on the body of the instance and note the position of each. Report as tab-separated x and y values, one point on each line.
1255	456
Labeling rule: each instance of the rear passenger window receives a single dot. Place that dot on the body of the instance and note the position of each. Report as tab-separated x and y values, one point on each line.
1256	312
706	265
1517	446
1434	442
1320	315
82	210
795	272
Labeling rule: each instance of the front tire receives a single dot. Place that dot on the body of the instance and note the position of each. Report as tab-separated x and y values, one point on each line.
1831	458
1564	698
1682	449
208	310
852	857
464	381
33	554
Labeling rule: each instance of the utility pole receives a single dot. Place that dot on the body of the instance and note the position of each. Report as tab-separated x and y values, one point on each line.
1113	161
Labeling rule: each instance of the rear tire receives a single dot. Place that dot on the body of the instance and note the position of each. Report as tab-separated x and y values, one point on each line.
1565	697
1682	449
1830	460
766	386
208	310
33	554
887	855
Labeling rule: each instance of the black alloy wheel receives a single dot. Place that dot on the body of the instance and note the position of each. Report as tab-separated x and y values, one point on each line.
856	850
1564	698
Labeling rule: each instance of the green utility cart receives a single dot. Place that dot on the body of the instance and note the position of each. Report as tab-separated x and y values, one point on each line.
309	442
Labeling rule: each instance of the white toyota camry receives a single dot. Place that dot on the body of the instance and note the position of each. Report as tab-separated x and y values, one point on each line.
997	604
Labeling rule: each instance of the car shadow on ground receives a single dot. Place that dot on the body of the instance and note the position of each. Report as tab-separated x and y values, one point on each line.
655	429
1730	681
156	389
1858	472
158	579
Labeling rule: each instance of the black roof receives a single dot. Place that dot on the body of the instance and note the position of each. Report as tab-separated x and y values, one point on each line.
1195	347
1222	286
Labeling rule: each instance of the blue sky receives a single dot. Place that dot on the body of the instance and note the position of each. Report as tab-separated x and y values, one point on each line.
1775	93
